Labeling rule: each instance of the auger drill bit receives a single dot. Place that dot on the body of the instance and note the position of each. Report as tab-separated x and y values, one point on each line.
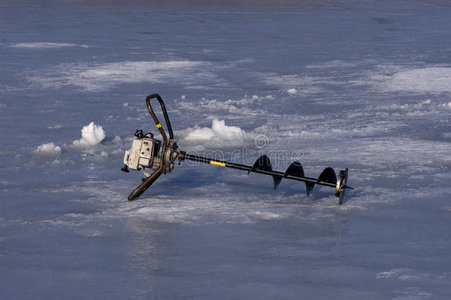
145	153
294	172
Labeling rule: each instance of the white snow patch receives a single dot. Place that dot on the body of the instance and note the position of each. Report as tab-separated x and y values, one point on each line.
265	215
55	126
292	91
100	77
332	64
92	233
218	135
91	135
288	80
48	149
243	106
219	129
307	84
400	273
45	45
425	80
166	215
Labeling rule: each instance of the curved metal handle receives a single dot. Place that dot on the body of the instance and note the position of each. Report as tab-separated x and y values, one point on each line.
145	184
165	114
152	178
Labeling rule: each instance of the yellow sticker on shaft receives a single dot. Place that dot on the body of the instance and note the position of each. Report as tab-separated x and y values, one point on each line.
217	163
158	125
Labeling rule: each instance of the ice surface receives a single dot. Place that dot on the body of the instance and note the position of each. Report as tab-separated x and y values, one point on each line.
372	94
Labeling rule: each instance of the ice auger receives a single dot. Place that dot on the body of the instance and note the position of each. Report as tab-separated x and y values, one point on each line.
145	154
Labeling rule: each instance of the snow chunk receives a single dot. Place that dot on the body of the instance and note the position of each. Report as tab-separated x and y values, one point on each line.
292	91
48	149
218	129
91	135
218	136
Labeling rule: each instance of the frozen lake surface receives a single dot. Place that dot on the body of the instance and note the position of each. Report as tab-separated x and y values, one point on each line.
358	84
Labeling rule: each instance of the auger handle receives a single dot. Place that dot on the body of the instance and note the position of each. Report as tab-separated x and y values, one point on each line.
145	184
165	114
152	178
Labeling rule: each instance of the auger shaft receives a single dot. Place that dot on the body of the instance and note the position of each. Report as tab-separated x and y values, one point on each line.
226	164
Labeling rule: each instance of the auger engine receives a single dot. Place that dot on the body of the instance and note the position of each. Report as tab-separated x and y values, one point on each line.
145	154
